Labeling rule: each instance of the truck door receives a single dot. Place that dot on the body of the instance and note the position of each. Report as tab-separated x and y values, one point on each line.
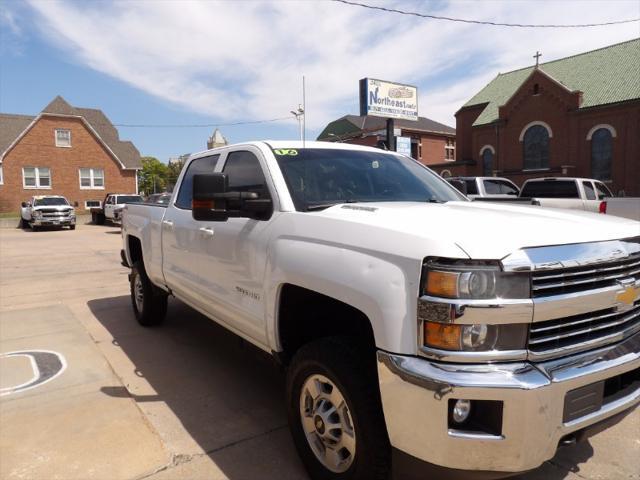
109	205
181	235
232	257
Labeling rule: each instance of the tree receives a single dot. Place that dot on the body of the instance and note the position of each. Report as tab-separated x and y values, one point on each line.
153	176
173	171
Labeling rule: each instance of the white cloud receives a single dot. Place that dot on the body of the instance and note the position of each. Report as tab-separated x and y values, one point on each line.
244	60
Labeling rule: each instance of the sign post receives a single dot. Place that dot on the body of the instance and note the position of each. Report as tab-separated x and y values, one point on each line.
389	100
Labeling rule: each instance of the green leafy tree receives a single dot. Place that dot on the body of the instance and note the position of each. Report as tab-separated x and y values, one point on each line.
174	169
153	176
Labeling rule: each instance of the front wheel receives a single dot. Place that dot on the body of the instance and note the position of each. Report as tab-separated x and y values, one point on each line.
149	302
335	412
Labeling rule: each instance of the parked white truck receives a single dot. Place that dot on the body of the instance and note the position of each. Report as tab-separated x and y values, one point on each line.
571	193
474	336
48	211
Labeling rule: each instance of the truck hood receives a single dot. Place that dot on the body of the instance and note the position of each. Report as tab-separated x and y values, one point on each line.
486	230
53	208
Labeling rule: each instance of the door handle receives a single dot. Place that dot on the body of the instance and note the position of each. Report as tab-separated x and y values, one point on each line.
206	231
168	223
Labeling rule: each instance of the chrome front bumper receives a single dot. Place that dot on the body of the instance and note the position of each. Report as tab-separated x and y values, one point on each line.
54	221
416	391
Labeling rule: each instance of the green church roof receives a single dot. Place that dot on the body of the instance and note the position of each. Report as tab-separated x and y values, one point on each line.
607	75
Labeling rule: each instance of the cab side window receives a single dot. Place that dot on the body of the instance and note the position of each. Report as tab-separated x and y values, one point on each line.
199	165
245	174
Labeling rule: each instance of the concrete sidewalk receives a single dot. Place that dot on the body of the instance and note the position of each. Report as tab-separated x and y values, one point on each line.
186	400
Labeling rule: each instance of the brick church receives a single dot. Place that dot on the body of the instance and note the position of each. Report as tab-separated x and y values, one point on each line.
577	116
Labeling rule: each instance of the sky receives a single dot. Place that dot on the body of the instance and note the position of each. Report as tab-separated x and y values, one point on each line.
169	62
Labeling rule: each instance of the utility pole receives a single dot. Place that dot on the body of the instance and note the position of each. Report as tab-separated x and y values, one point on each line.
299	114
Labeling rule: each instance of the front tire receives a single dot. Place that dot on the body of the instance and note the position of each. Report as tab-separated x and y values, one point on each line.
335	411
149	302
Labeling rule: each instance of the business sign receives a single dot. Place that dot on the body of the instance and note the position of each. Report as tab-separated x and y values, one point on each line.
387	99
403	145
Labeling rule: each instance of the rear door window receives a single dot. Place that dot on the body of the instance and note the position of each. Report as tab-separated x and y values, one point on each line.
551	189
199	165
589	192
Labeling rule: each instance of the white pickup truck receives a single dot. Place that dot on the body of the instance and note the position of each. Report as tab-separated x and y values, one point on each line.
473	336
571	193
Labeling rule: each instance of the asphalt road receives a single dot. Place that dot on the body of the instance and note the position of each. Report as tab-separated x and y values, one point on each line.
187	400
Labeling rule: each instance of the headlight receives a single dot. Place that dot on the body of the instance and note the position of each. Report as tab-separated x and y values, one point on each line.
474	338
483	284
473	281
37	213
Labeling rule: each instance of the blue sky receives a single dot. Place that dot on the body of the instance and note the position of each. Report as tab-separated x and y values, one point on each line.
195	62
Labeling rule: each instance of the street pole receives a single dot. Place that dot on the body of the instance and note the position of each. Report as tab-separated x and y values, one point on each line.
391	139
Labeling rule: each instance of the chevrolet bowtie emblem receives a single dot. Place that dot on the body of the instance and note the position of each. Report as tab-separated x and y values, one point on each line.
628	296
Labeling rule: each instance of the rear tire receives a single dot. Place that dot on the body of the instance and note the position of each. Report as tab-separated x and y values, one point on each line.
100	218
351	442
149	302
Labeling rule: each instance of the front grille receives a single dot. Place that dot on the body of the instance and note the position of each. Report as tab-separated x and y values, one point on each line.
579	332
579	279
54	213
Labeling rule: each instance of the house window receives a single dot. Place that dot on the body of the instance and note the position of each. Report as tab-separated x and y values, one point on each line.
63	137
535	145
601	154
92	203
450	149
91	178
36	177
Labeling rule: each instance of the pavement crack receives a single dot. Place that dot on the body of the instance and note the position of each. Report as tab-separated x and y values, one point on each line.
182	458
242	440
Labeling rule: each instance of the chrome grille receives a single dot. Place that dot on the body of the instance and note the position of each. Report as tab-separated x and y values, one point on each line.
580	332
579	279
54	213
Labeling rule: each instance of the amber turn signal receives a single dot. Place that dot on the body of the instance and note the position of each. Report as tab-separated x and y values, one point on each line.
442	335
442	284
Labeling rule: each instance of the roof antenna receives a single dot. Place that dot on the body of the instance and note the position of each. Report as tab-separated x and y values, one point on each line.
304	113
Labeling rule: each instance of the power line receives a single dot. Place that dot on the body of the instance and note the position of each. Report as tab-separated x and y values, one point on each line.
199	125
484	22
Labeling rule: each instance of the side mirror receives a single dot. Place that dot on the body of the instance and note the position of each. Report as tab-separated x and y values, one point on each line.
213	202
459	185
24	204
208	202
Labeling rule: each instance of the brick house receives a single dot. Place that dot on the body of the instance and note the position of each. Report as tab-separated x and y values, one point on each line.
577	116
431	142
64	150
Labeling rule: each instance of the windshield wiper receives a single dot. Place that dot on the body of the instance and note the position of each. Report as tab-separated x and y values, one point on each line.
322	206
435	200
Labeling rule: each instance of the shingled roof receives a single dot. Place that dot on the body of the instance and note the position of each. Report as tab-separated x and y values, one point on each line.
12	126
354	124
604	76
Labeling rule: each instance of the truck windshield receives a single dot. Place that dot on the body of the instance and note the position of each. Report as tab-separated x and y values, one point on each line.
319	177
50	202
129	199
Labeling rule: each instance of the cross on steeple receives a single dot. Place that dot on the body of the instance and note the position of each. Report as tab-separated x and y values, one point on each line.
537	57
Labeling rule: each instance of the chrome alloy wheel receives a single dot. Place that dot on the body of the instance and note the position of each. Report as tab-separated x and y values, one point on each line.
327	423
138	292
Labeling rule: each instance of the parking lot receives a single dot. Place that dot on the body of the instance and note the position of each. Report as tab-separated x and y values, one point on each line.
187	400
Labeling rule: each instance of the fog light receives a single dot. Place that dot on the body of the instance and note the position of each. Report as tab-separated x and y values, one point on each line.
461	410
